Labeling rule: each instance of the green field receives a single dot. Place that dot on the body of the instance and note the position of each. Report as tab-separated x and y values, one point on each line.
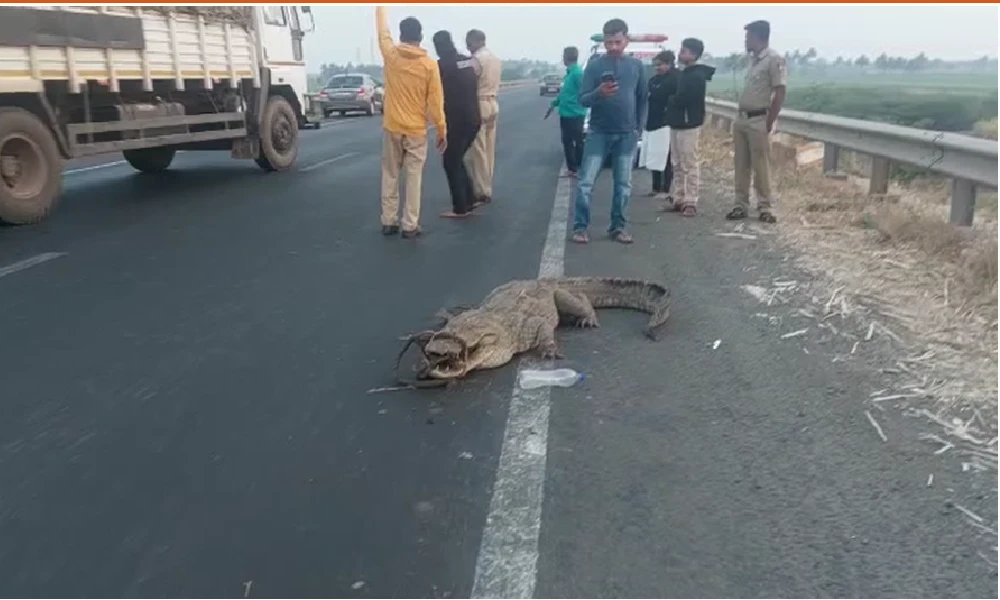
944	101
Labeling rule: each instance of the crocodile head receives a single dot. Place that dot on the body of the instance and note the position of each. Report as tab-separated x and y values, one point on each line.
457	353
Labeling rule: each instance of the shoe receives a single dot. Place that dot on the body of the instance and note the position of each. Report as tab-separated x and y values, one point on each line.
390	230
412	234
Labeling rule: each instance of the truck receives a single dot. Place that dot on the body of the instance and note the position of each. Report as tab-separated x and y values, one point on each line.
145	81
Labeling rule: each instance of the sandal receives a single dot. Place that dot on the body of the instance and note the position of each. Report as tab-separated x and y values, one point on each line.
454	215
767	217
580	237
689	211
621	236
736	214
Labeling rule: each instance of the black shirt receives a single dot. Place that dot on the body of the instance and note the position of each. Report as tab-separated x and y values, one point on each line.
459	82
661	87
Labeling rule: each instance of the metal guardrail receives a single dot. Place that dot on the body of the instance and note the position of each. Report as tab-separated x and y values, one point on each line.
968	161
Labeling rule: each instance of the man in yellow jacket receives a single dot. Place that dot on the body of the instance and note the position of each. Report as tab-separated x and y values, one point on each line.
412	95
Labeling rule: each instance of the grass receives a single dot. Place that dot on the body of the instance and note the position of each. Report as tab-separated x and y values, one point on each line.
906	274
940	101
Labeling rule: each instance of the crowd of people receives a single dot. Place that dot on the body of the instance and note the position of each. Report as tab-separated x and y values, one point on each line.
666	112
458	94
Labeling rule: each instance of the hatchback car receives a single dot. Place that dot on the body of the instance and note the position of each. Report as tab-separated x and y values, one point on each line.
351	92
550	84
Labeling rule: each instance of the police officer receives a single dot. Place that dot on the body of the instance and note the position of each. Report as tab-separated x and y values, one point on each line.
760	102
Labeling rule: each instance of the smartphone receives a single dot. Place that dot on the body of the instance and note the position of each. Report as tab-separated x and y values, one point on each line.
608	77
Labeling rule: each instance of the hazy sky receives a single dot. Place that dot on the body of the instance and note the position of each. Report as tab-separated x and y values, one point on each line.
945	31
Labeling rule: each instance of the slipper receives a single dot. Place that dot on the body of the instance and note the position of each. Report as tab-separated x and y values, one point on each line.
621	236
453	215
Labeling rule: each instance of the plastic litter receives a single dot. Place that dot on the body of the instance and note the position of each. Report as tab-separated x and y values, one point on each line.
530	379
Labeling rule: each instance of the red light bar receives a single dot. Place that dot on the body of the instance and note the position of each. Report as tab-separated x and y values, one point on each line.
635	37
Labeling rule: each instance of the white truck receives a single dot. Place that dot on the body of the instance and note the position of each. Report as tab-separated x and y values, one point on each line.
145	81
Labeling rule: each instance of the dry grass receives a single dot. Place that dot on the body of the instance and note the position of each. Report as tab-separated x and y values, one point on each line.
903	272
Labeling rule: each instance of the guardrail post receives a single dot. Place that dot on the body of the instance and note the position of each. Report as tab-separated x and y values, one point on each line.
963	201
831	158
879	182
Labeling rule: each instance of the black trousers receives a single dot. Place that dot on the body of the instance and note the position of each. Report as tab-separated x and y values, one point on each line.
460	138
572	141
663	179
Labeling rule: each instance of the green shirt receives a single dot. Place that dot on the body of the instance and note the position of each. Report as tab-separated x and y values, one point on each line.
568	100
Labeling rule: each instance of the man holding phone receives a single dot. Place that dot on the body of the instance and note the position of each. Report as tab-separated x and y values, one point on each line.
614	88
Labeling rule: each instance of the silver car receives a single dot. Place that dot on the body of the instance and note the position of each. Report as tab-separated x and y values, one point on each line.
550	84
351	92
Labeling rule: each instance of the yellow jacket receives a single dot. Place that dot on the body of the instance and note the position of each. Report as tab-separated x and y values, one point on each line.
412	85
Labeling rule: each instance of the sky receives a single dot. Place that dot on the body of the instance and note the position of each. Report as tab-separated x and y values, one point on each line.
951	31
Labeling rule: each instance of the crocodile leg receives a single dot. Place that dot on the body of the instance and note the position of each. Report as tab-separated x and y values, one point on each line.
541	334
575	308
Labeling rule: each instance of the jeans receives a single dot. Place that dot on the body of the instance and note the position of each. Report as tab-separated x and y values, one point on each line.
572	141
597	146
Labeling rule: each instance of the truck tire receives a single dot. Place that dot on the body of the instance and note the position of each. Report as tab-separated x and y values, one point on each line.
150	160
30	168
279	136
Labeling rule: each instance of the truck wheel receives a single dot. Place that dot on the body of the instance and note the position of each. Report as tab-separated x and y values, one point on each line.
30	168
150	160
279	136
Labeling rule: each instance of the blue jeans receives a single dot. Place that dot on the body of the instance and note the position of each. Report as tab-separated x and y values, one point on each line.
598	146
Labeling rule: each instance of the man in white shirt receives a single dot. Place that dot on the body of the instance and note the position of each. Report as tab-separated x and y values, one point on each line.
481	155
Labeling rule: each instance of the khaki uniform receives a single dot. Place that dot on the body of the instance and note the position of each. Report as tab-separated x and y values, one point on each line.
481	154
751	140
408	153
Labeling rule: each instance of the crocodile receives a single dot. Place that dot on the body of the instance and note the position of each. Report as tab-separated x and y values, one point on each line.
523	315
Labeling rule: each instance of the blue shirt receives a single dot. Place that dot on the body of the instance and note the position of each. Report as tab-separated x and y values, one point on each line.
623	112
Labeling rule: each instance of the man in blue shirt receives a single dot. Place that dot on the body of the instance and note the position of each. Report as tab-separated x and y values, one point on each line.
571	112
614	88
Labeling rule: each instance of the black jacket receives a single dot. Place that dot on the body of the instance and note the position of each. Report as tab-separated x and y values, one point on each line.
661	88
686	108
459	83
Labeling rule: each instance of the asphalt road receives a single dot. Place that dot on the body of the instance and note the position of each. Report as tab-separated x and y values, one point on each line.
185	410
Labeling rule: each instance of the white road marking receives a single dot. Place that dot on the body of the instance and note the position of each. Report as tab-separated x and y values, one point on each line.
117	163
508	555
29	262
323	163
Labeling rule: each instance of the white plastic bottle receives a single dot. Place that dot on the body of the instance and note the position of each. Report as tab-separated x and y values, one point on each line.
530	379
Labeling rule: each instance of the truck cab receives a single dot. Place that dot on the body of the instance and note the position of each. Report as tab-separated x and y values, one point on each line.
146	81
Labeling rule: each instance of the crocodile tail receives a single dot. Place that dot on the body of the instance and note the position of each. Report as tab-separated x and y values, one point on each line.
635	294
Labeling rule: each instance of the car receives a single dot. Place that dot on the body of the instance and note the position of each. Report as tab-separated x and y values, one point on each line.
352	92
550	84
607	159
